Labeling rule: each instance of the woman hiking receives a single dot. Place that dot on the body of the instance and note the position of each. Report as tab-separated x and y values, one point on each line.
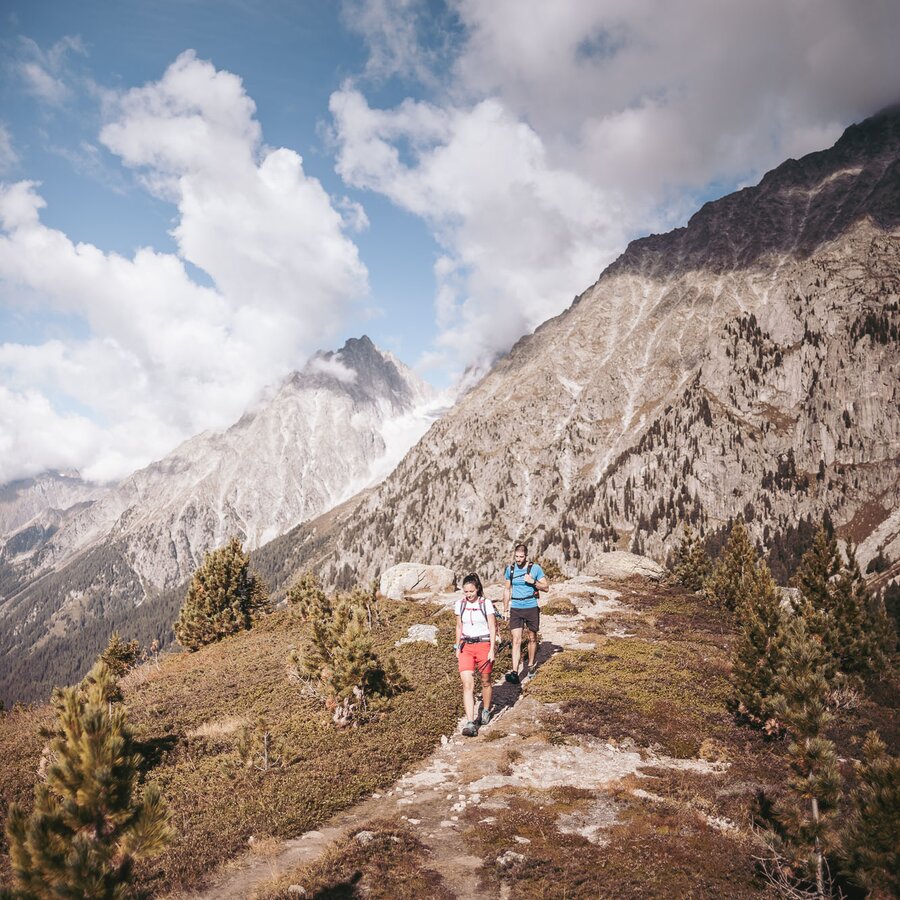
476	636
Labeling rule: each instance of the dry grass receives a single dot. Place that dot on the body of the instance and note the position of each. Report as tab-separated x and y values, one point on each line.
388	863
186	717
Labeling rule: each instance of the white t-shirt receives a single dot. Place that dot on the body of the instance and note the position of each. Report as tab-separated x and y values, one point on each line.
474	622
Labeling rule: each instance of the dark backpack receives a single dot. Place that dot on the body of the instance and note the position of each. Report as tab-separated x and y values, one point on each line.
512	570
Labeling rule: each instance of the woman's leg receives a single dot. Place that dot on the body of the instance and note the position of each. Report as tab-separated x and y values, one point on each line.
486	690
468	684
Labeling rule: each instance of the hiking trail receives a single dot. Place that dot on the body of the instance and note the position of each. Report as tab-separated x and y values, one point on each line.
466	772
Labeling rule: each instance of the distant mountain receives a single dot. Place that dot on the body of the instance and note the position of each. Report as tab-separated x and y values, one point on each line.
746	364
39	503
323	434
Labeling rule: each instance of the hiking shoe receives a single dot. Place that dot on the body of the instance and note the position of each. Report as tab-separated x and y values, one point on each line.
485	716
513	677
470	729
531	671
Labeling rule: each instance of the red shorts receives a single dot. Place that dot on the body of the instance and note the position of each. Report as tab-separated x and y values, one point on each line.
475	656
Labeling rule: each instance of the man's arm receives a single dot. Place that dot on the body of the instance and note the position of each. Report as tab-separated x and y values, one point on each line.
541	583
507	596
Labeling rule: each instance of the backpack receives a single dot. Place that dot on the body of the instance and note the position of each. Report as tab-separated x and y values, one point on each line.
512	569
464	603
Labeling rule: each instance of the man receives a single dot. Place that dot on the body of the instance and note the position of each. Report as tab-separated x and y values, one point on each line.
520	603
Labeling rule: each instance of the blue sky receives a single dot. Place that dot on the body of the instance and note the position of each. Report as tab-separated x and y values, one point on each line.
197	195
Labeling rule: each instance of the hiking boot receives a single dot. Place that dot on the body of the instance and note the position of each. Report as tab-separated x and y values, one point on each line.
513	677
485	716
470	729
531	671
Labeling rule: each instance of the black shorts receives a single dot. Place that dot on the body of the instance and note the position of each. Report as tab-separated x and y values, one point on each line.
525	618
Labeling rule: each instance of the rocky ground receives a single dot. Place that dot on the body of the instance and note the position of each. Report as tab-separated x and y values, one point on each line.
547	801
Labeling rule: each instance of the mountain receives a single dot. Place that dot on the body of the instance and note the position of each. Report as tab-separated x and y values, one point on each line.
32	506
746	364
320	436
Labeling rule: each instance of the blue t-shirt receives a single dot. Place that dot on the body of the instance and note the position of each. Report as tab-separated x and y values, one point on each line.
523	595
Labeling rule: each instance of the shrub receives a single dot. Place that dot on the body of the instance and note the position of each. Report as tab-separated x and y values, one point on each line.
338	661
223	597
306	598
119	655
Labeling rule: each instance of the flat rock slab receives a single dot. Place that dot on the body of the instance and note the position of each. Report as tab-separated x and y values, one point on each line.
415	578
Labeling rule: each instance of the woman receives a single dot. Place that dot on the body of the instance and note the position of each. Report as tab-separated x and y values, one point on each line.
476	635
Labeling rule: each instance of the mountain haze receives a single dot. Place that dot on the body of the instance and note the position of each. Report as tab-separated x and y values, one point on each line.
320	436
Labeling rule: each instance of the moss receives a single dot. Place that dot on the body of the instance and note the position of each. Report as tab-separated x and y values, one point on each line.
391	865
650	853
655	693
559	608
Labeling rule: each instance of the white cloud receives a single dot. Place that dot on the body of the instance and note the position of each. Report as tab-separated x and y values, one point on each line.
334	367
45	73
166	357
521	236
566	128
9	159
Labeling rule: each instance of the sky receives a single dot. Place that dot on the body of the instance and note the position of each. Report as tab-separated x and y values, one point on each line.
196	196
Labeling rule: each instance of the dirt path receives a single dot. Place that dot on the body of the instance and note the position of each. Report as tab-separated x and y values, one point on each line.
464	772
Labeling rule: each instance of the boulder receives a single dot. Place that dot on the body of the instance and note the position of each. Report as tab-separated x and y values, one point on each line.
414	578
620	564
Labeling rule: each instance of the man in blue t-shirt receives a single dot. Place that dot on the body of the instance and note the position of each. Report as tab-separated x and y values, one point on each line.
523	580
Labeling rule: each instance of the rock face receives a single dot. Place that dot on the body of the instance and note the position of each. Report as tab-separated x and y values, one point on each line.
413	578
621	565
319	437
746	364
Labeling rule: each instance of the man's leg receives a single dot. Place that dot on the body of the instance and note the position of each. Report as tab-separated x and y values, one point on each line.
516	647
532	647
468	683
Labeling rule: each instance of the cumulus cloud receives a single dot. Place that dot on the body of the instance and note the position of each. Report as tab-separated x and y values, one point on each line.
564	129
521	235
165	356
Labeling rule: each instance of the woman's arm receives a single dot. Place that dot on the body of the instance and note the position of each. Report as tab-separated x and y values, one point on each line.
458	633
492	628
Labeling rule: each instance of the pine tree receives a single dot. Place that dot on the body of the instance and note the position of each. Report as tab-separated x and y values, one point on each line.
869	844
87	828
692	564
223	598
338	661
816	782
733	570
120	656
260	748
838	609
307	599
758	652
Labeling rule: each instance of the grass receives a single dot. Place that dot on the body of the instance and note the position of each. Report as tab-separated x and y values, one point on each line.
187	716
389	863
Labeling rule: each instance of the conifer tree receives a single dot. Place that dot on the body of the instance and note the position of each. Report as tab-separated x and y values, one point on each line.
307	599
733	570
120	655
223	598
338	661
869	845
87	828
758	652
838	609
692	564
260	748
816	782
